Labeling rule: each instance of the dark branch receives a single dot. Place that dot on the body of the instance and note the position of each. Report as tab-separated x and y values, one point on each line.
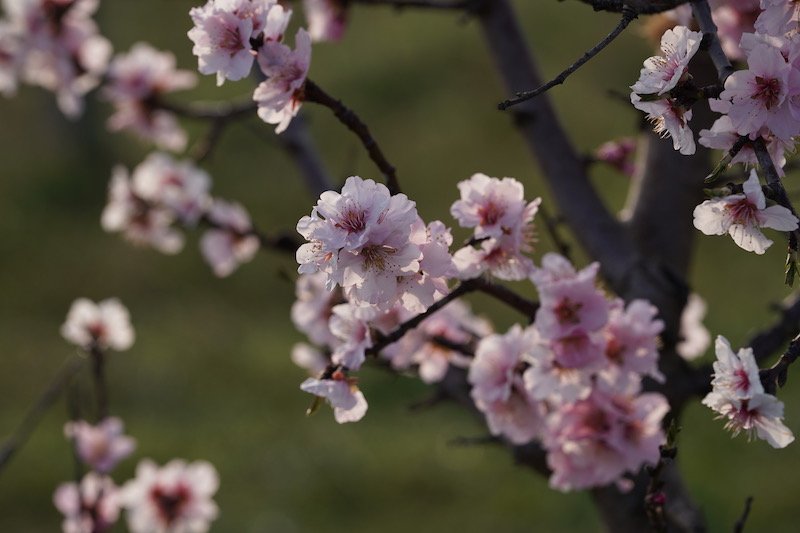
627	16
313	93
641	7
738	527
456	5
551	224
727	158
702	14
39	409
776	375
769	341
208	111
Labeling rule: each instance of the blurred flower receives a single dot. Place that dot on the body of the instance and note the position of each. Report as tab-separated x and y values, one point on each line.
327	19
695	338
105	324
101	446
341	392
174	498
618	154
232	241
91	507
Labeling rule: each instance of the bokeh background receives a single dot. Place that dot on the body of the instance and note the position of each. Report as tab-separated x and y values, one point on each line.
210	376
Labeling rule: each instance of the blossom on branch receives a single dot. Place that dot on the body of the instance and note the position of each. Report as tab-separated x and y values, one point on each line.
106	325
279	97
89	507
742	216
342	393
232	241
739	398
101	446
175	497
136	81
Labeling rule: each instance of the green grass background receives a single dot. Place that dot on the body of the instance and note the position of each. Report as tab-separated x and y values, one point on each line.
210	377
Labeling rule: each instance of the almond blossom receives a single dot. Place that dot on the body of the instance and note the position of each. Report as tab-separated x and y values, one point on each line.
351	328
342	393
61	49
280	95
313	308
632	339
618	154
742	216
91	507
662	73
695	338
10	43
174	497
136	81
327	19
503	223
739	398
105	324
593	442
309	358
361	239
232	241
548	378
498	387
101	446
422	346
139	222
226	32
779	17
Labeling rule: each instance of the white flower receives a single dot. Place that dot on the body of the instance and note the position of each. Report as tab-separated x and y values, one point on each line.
231	242
173	498
341	392
105	324
662	73
741	215
695	338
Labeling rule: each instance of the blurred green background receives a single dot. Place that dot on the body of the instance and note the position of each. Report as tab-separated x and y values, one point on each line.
210	377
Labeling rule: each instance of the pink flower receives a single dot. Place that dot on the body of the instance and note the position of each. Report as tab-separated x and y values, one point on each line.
226	32
549	379
741	215
733	20
454	323
570	303
309	358
232	241
669	119
141	223
314	307
175	497
503	224
722	136
758	95
421	289
135	81
498	388
280	96
618	154
351	329
632	338
178	186
779	17
662	73
60	49
91	507
101	446
594	441
760	414
735	375
327	19
106	325
341	392
10	43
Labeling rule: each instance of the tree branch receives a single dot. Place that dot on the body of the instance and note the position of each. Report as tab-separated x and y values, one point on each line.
35	414
702	14
628	15
738	527
457	5
776	375
314	94
641	7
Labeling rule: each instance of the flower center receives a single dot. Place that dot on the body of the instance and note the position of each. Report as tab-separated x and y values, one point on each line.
768	90
170	503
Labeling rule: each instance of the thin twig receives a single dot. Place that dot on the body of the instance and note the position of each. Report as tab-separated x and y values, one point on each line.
36	413
738	527
551	224
776	375
99	379
313	93
727	158
457	5
642	7
628	16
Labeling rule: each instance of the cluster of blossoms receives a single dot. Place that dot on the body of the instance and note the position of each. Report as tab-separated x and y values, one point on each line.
229	35
135	84
739	398
54	44
572	379
760	103
372	263
176	497
161	192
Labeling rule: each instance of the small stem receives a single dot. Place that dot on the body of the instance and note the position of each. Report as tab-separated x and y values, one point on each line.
100	385
738	527
776	375
627	16
456	5
36	413
314	94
